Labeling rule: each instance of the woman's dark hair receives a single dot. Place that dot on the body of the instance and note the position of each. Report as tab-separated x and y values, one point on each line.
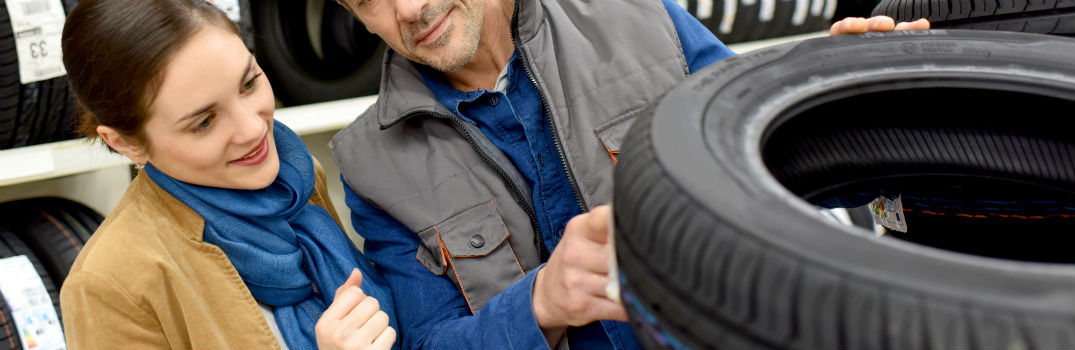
115	52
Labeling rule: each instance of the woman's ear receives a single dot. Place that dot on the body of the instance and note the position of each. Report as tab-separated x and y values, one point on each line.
123	144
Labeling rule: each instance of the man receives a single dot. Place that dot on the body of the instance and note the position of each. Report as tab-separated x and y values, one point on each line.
476	178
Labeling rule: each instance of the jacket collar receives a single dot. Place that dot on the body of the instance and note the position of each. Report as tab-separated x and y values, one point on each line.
403	92
179	215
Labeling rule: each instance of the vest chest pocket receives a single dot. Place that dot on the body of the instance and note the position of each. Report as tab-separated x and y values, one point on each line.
613	132
472	249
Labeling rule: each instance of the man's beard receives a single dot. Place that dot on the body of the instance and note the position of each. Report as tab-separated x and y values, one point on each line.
451	60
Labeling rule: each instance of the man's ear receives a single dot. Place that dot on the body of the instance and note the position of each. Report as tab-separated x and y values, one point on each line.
123	144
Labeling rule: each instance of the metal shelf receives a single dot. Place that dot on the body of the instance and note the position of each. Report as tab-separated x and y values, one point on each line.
41	162
51	160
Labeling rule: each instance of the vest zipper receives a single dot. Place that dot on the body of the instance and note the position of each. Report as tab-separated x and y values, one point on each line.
545	109
514	184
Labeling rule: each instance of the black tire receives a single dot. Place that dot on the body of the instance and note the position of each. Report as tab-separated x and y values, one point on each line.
11	245
55	228
350	63
718	249
9	336
9	80
763	19
854	8
33	113
1031	16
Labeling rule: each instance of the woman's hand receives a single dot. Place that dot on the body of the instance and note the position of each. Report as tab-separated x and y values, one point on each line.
354	320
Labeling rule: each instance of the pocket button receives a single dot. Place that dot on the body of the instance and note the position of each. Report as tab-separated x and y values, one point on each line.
477	241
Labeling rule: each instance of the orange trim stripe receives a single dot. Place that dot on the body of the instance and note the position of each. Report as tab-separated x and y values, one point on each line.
612	154
70	239
444	251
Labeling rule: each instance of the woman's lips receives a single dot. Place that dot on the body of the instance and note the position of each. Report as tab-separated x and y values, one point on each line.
256	155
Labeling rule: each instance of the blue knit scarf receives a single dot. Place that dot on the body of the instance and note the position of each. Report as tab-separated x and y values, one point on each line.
292	255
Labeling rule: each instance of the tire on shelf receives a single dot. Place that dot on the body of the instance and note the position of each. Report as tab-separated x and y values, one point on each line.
11	245
34	113
762	19
348	64
55	228
9	336
719	244
1031	16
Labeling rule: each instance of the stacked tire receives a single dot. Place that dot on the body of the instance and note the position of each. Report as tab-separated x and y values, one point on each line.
734	21
718	237
1030	16
33	113
49	232
315	50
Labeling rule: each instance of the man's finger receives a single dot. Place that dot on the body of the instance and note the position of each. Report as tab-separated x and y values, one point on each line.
880	23
850	25
920	24
605	309
599	218
593	284
593	226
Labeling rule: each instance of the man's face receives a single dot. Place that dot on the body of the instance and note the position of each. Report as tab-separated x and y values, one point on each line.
442	34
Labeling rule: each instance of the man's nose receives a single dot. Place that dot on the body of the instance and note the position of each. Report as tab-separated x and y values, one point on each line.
409	10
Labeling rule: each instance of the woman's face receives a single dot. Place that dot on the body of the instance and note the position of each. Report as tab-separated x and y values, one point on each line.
211	121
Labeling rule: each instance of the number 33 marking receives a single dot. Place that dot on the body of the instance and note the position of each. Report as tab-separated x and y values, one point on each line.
37	49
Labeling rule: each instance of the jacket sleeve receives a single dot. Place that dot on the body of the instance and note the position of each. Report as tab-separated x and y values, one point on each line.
700	47
99	314
432	313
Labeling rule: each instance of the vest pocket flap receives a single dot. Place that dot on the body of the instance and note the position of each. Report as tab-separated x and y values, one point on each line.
612	132
429	252
473	233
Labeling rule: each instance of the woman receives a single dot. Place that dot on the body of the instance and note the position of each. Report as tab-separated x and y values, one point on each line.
227	239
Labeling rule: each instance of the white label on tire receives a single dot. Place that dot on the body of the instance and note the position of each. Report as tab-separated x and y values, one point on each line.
830	9
682	3
816	6
889	213
727	20
31	307
37	26
230	7
766	10
798	17
705	9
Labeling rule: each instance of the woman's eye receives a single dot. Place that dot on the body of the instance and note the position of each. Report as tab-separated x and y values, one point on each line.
251	83
204	124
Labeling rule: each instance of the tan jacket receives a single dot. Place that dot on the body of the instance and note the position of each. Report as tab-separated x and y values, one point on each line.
146	280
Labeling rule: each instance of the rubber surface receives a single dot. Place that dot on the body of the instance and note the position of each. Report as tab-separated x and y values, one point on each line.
349	65
762	19
55	228
715	251
33	113
1031	16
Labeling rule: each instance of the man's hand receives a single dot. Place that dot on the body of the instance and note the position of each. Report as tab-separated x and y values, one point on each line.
570	289
859	25
354	320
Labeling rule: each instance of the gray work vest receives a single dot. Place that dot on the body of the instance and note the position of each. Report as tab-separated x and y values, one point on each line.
596	63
